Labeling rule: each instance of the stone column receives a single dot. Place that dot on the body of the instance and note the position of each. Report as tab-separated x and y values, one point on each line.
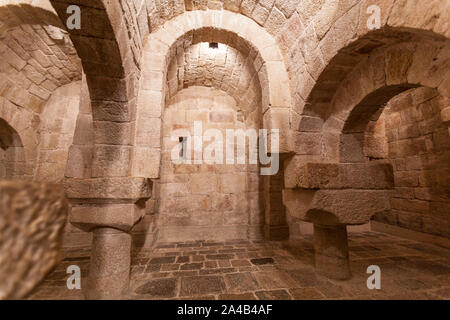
275	226
108	207
109	268
331	251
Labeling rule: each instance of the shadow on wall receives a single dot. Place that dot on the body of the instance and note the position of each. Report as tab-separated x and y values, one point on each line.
28	15
12	154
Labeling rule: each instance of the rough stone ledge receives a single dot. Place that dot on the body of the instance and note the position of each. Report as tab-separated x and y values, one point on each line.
118	216
341	176
334	207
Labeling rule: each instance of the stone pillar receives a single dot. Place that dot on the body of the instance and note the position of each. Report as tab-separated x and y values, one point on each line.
331	251
109	268
108	207
275	228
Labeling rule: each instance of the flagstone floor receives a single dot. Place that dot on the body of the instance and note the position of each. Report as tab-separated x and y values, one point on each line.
271	270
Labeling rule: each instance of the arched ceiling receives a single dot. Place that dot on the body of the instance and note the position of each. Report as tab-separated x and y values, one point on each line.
36	54
224	68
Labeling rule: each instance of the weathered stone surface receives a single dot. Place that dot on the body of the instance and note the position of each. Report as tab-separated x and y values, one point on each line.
344	176
306	293
32	220
119	216
201	285
207	199
404	276
273	295
331	251
109	267
241	282
336	206
108	188
416	142
159	288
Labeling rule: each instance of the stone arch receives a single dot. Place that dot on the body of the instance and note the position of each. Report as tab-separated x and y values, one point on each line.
317	112
207	26
103	45
39	61
369	87
37	55
336	47
413	136
353	54
19	142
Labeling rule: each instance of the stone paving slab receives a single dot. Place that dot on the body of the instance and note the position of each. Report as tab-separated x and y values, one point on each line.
250	270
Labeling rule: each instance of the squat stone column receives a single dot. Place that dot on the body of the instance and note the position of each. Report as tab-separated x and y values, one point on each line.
331	251
109	268
109	208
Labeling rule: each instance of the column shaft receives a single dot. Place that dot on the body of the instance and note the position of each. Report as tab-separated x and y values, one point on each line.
331	251
109	269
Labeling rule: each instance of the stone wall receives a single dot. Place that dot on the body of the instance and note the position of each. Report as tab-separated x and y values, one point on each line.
418	146
25	123
207	201
57	132
36	146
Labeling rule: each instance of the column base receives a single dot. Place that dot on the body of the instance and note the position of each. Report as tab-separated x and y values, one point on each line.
331	251
109	269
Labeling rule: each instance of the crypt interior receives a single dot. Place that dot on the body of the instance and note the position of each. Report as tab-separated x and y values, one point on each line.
87	122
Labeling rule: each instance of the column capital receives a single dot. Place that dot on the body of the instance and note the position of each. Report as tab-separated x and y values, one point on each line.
117	203
105	190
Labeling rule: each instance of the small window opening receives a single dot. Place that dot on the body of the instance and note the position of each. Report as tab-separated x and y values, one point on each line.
213	45
183	150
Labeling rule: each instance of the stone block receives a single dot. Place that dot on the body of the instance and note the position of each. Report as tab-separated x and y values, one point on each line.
118	216
31	235
331	207
307	143
343	176
216	116
111	160
108	188
146	162
201	285
202	183
232	183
